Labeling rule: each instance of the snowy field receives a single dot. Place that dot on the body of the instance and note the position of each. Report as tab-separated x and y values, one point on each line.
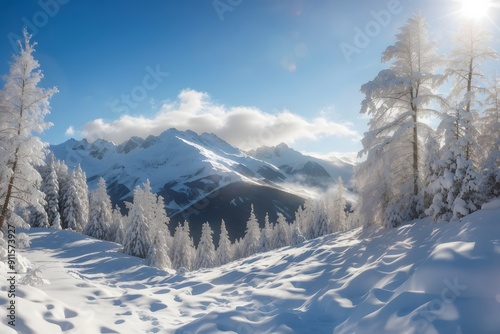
419	278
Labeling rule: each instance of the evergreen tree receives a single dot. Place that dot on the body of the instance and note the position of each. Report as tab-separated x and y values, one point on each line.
100	217
38	218
117	229
266	235
398	99
490	142
137	241
56	223
251	241
74	197
339	216
50	187
282	235
205	253
223	252
183	248
23	106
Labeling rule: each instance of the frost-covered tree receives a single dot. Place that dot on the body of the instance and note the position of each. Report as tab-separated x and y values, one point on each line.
471	49
455	182
223	252
38	218
137	240
117	229
74	199
23	106
183	248
305	218
282	233
251	240
397	100
266	235
100	217
56	222
338	214
489	127
79	178
50	187
205	253
154	210
296	234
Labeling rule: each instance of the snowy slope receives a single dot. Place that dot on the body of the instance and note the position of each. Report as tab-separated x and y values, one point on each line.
419	278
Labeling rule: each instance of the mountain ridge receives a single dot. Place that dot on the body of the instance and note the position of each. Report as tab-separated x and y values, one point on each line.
187	169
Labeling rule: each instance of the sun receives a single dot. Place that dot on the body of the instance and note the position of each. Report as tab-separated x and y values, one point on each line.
475	9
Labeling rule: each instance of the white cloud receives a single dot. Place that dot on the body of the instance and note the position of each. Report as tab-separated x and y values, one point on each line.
70	131
243	127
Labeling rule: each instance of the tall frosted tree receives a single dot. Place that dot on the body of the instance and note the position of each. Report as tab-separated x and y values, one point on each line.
50	187
251	241
117	228
282	233
471	49
183	248
489	139
456	181
398	99
338	215
23	107
223	252
154	211
74	200
137	240
266	235
100	216
205	253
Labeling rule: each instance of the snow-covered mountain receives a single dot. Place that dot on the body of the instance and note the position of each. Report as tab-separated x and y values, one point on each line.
304	169
422	277
201	177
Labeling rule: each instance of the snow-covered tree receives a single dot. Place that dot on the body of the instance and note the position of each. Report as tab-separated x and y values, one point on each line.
305	218
117	229
338	214
79	178
282	233
455	182
158	254
154	211
38	218
251	241
183	248
56	222
266	235
223	253
74	198
23	106
296	234
489	139
471	49
397	100
50	187
137	240
205	253
100	217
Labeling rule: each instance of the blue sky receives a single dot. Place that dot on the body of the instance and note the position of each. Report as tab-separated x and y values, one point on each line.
255	72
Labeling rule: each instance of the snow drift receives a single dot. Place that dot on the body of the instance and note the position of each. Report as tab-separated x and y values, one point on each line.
419	278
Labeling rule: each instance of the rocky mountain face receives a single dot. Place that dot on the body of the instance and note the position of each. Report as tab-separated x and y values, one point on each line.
203	178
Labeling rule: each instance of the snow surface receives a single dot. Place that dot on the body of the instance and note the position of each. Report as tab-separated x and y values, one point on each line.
419	278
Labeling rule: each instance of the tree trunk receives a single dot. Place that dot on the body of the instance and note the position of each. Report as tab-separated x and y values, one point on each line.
5	207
